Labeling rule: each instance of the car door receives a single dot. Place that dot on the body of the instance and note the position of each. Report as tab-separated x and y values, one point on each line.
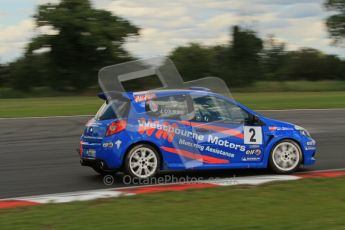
172	131
226	132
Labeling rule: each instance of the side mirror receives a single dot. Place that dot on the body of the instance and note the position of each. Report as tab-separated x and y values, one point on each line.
255	120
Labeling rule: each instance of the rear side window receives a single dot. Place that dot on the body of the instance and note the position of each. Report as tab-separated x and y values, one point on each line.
168	107
113	109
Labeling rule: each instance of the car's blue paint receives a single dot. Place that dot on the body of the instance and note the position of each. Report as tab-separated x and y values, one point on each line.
93	140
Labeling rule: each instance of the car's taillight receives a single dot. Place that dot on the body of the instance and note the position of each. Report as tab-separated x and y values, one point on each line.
81	148
116	126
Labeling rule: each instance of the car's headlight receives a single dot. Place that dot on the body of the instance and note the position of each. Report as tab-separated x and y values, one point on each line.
302	130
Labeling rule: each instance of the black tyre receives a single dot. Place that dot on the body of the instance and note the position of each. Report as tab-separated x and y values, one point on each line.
285	157
99	170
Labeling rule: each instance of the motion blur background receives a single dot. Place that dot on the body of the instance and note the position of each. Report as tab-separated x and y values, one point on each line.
275	55
55	48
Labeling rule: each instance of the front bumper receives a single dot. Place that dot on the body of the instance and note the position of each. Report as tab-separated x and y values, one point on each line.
309	151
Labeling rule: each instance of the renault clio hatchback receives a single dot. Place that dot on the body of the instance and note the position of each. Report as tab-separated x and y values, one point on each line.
142	133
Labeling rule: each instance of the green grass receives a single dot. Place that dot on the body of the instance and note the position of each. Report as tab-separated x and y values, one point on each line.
74	105
259	86
49	106
306	204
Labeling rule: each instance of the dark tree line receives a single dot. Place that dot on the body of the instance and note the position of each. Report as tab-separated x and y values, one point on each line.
248	58
84	39
237	63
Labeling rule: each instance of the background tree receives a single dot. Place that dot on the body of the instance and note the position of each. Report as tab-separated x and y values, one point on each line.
336	22
29	71
84	39
273	59
310	64
237	63
193	61
3	75
243	60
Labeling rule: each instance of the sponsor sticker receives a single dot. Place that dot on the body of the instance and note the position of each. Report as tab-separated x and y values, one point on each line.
118	143
275	128
153	106
168	131
256	152
310	148
168	111
272	128
250	158
108	145
311	142
144	97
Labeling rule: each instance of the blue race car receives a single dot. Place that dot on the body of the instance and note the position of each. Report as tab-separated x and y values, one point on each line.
142	133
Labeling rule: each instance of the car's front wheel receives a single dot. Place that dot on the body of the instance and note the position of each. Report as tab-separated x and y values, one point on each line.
286	157
142	161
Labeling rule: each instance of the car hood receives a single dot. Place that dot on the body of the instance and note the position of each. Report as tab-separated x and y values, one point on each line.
278	124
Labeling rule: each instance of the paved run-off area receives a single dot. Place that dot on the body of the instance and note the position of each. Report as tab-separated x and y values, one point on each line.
38	156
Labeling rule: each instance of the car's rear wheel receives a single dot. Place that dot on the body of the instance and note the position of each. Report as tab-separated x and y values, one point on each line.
285	157
142	161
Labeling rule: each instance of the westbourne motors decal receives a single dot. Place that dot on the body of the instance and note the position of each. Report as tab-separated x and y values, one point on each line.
167	131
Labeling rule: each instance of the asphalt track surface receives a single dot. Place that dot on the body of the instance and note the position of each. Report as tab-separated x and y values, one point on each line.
37	155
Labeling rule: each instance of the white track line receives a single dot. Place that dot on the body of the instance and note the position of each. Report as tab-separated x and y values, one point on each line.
71	197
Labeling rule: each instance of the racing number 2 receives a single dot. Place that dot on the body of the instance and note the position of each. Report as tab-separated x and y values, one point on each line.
252	135
252	138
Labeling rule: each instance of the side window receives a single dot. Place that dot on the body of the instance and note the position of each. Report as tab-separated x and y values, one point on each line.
213	109
168	107
113	109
